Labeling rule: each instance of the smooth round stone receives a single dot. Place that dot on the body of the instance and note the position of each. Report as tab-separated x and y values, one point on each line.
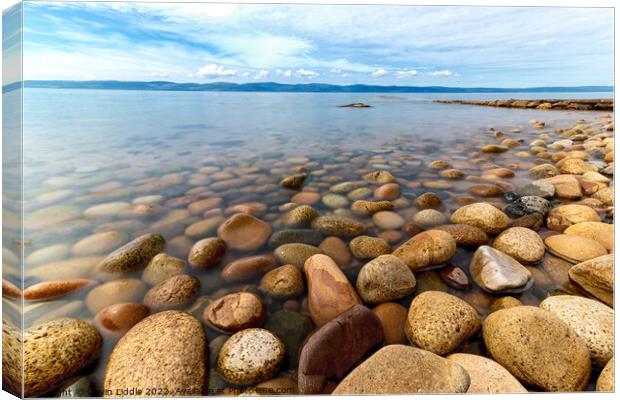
388	220
451	173
336	347
206	253
162	267
367	207
283	282
486	190
148	200
363	247
564	216
522	244
106	209
335	201
379	177
250	356
538	188
329	291
494	148
606	196
300	217
48	290
486	375
114	292
497	272
115	320
305	236
439	322
576	166
133	256
500	303
481	215
398	369
246	268
167	351
359	194
235	312
591	320
455	277
393	317
200	206
204	228
429	218
337	249
596	276
599	231
427	249
543	171
291	328
334	225
99	243
574	248
173	293
383	279
389	191
531	221
10	291
294	181
605	381
465	235
537	348
244	232
66	269
43	370
428	200
295	253
47	254
306	198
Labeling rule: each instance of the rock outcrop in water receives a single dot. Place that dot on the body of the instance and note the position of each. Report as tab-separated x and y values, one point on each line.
572	104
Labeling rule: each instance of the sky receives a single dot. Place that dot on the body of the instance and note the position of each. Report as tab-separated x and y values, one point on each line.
378	45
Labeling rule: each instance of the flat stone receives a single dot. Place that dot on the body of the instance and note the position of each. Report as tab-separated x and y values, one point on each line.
574	248
486	375
388	220
114	292
115	320
306	198
564	216
335	225
427	249
596	276
295	253
385	278
48	290
99	243
566	186
367	207
246	268
542	189
497	272
244	232
599	231
235	312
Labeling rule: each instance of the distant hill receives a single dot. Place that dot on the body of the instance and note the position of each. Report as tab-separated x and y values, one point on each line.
281	87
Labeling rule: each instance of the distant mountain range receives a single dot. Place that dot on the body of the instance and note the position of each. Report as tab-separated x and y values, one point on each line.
281	87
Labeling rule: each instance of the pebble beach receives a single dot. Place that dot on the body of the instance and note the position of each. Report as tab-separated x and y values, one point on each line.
482	266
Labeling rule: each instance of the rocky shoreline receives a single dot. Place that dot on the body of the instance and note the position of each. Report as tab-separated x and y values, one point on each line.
570	104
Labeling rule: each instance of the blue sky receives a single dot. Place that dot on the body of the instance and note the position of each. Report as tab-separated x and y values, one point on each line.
382	45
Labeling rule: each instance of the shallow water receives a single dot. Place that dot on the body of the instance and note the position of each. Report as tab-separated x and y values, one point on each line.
83	148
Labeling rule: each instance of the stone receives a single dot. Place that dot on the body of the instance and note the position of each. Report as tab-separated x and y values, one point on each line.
531	221
566	186
329	291
247	268
574	248
465	235
292	328
429	218
388	220
306	198
305	236
206	227
527	205
564	216
133	256
591	320
48	290
284	282
335	201
481	215
167	351
44	371
576	166
162	267
485	190
494	148
337	249
294	181
606	196
379	177
364	247
522	244
115	320
235	312
427	249
539	188
486	375
106	209
599	231
439	322
537	348
429	280
398	369
428	200
114	292
383	279
605	381
367	207
389	191
206	253
543	171
359	194
343	187
393	317
295	253
596	276
455	277
497	272
335	225
451	173
244	232
10	291
499	303
173	293
250	356
99	243
333	349
299	217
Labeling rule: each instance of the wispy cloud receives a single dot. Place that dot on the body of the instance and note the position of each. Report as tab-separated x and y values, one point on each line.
304	73
444	73
406	74
378	73
212	71
262	74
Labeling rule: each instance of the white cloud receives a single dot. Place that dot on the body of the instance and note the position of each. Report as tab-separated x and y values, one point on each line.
160	74
378	73
287	74
304	73
215	71
335	71
345	75
444	73
262	74
406	74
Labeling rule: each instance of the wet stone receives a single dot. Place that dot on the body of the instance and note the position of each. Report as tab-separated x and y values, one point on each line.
283	282
292	328
133	256
235	312
305	236
364	247
455	277
206	253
